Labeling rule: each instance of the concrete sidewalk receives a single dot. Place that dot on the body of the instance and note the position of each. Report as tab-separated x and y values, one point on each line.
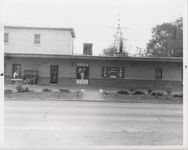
92	95
87	94
39	88
82	93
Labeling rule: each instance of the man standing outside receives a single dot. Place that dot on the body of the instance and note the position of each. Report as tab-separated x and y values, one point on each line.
82	76
15	75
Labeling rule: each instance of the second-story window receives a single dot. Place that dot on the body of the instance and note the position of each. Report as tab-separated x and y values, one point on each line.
6	38
37	39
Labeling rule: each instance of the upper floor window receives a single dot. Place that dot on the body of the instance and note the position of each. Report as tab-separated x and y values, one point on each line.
6	38
37	39
158	73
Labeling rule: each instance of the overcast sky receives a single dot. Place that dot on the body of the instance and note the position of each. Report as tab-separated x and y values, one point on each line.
92	19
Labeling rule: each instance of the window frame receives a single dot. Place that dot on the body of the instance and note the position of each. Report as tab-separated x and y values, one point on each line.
5	68
7	38
158	73
14	66
36	40
109	70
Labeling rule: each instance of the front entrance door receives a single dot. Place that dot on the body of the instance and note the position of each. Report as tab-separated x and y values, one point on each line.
16	68
54	74
82	73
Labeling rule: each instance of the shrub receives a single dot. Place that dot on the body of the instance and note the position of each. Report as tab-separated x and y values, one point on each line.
64	90
79	93
26	89
168	91
178	95
157	93
123	92
150	91
132	90
8	91
46	90
20	88
105	93
137	92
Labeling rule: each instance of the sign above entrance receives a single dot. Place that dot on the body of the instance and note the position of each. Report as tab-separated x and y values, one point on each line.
82	64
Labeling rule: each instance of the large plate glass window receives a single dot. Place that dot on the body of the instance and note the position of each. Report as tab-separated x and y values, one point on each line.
113	72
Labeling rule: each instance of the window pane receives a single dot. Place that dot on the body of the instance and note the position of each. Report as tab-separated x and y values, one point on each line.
5	37
37	39
5	68
82	71
113	72
158	73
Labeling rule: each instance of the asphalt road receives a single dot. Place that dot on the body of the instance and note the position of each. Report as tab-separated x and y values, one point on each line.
67	123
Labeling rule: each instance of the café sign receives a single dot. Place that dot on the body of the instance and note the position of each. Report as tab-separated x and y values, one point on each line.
82	64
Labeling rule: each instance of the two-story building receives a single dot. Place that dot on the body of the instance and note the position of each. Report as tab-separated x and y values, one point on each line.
36	40
45	56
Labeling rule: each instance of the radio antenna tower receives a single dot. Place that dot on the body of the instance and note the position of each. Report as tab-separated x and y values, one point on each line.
119	43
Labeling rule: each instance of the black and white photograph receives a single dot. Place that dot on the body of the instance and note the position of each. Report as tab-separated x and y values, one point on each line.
93	74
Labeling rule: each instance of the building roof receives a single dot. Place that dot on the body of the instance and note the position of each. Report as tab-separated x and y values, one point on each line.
45	28
111	58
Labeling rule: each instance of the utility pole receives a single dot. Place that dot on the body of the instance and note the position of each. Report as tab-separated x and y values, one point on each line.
174	41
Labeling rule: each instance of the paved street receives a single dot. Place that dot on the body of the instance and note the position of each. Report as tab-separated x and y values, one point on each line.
64	123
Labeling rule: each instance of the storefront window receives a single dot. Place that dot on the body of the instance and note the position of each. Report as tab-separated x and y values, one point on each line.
113	72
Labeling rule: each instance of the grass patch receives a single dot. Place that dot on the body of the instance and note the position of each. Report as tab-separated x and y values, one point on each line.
8	91
21	89
149	91
46	90
157	94
141	98
138	92
122	92
178	95
132	90
44	96
64	90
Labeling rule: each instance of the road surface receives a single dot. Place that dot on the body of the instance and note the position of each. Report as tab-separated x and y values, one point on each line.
66	123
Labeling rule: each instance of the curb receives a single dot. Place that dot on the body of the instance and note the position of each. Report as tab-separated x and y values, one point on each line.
74	100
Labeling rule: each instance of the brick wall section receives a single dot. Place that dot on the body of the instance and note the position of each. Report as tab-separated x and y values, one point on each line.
136	74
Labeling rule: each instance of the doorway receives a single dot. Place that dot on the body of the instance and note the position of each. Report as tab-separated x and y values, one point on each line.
54	74
16	68
82	73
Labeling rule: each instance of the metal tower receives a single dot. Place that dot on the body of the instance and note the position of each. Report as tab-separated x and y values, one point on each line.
119	43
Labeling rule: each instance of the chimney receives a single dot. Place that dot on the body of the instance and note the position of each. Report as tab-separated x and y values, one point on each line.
87	48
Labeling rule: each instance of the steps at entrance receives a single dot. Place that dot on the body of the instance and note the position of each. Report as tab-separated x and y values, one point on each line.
92	95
